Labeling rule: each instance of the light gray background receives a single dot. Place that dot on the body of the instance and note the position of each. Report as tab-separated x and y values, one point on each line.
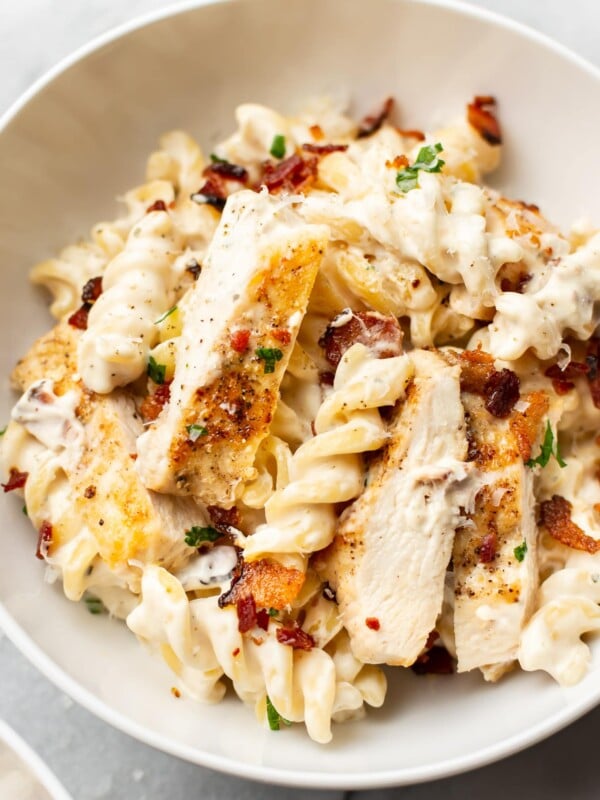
92	759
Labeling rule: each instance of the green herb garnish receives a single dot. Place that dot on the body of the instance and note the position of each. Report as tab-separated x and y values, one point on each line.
165	315
427	161
273	612
94	604
520	551
3	431
269	355
217	159
24	510
547	450
274	717
156	371
196	431
278	146
195	536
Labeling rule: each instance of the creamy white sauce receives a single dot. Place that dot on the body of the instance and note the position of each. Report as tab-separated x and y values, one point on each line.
213	567
51	419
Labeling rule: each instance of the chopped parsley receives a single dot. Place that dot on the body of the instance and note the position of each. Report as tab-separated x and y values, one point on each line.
215	159
547	450
196	431
195	536
273	612
24	509
427	161
94	604
165	315
3	431
274	717
156	371
269	355
520	551
278	146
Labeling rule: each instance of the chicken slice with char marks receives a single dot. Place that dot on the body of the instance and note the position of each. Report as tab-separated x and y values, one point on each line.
495	561
256	280
388	561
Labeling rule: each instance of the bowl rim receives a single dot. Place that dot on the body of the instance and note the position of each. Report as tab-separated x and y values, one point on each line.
34	763
224	764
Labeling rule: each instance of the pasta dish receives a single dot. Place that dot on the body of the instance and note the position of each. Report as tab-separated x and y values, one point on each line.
320	402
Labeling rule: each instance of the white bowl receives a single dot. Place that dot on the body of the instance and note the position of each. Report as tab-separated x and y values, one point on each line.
82	135
22	771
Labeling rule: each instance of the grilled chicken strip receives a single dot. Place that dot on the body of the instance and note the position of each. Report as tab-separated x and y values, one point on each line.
238	334
127	520
388	561
495	563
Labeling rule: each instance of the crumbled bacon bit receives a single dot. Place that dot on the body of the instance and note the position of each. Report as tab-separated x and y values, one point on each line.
476	367
282	335
556	518
525	425
90	492
44	540
373	122
324	149
399	162
262	619
194	268
231	172
239	340
436	661
412	133
295	637
382	334
79	319
270	583
326	378
501	392
316	132
488	547
224	518
373	623
92	290
154	403
291	174
236	652
562	379
157	205
16	480
481	115
431	639
212	193
246	611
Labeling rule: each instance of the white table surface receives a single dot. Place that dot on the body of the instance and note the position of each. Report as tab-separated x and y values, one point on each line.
92	759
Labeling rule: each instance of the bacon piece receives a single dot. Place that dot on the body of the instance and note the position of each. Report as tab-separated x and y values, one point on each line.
157	205
295	637
481	115
399	162
373	122
79	319
246	611
382	334
224	518
326	378
324	149
239	340
44	540
501	392
154	403
92	290
525	425
316	131
212	193
282	335
436	661
290	175
412	133
488	547
556	518
224	169
16	480
476	368
262	619
271	584
562	379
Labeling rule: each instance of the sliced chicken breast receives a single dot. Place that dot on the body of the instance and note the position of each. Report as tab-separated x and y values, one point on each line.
238	334
96	437
495	562
388	561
